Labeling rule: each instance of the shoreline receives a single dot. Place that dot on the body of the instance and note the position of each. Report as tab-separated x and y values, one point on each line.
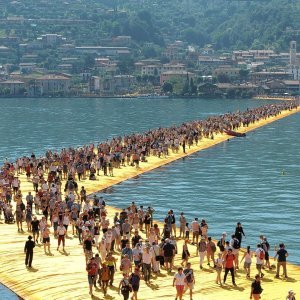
17	282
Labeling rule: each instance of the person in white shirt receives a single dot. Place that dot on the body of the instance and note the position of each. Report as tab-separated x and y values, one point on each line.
260	254
147	259
179	281
102	248
196	231
108	237
155	250
61	231
45	186
136	254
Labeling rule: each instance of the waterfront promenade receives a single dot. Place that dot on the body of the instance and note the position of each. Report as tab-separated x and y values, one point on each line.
63	276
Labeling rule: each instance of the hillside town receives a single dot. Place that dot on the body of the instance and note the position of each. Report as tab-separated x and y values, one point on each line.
52	65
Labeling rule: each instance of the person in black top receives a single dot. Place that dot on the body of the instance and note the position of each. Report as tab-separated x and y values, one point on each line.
239	232
168	252
256	289
28	250
135	239
35	228
282	255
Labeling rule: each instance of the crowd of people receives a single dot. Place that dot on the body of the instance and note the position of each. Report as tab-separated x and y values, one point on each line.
57	207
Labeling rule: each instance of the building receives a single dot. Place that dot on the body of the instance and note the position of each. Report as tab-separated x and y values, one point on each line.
227	71
51	40
123	83
265	75
94	84
157	69
175	75
292	87
53	84
12	87
103	51
252	55
105	65
294	61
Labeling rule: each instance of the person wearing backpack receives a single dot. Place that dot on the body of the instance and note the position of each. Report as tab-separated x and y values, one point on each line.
134	280
235	245
125	287
260	256
266	246
190	279
210	251
221	242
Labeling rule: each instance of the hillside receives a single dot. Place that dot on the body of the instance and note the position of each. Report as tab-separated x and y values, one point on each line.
226	24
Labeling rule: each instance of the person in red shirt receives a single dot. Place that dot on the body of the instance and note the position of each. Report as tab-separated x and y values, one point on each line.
92	269
229	265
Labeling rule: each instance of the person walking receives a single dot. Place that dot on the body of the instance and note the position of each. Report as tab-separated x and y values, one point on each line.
248	260
291	295
134	280
61	230
219	266
281	261
202	251
92	269
179	281
260	256
256	288
28	250
190	279
229	265
125	287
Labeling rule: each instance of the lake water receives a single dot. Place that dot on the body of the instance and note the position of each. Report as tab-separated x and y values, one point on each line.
235	181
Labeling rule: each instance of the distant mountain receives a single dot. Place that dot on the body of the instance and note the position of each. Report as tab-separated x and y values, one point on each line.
226	24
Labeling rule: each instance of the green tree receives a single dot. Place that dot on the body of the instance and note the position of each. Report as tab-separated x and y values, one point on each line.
167	87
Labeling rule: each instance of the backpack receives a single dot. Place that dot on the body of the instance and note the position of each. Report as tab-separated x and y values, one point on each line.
22	206
236	244
220	245
262	254
213	247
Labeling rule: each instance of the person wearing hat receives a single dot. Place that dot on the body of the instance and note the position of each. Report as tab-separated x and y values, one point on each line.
28	250
291	295
256	288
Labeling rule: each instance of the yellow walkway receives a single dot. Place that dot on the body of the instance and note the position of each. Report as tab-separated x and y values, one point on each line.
63	276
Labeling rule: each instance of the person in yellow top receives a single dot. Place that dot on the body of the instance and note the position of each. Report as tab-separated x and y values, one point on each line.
111	264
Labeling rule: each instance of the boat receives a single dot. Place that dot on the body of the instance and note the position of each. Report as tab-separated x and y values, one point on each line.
234	133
